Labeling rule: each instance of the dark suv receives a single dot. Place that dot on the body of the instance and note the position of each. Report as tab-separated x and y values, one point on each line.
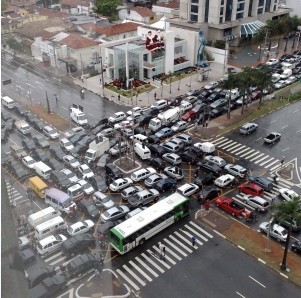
76	244
210	168
113	172
59	179
83	263
189	157
36	275
165	184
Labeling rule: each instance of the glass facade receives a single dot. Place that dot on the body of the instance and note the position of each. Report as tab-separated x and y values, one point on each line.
194	8
206	11
193	17
229	7
250	8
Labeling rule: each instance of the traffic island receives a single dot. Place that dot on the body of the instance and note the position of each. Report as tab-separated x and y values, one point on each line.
127	165
106	284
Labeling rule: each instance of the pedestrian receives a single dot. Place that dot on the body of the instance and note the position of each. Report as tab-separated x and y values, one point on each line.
118	97
153	78
193	240
163	250
96	273
273	199
155	95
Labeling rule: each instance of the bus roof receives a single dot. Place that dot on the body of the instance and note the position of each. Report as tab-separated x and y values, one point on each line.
148	215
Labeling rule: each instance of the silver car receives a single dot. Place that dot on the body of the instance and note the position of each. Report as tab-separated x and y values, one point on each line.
172	158
151	180
217	160
100	199
114	213
180	125
130	191
174	172
275	231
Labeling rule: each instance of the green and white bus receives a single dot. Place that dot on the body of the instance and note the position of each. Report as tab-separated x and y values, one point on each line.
142	226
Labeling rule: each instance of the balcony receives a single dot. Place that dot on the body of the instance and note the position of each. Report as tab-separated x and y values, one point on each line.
181	66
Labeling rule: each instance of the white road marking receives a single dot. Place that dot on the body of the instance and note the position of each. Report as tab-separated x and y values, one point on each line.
248	152
298	131
202	230
252	154
161	261
152	262
269	165
285	149
284	127
134	275
232	147
257	281
273	121
175	247
221	138
147	267
172	253
240	295
222	145
233	143
185	240
258	139
266	161
241	147
258	156
52	257
140	271
127	279
195	233
57	261
261	159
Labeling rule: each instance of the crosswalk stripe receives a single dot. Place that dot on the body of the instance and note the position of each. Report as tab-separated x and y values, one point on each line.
180	243
220	141
57	261
276	167
232	147
260	160
140	271
134	275
52	257
172	253
175	247
13	191
257	156
281	181
158	256
202	230
229	145
266	161
242	151
127	279
270	164
248	152
26	200
239	148
252	154
221	145
190	237
221	138
152	262
145	266
163	262
18	198
197	234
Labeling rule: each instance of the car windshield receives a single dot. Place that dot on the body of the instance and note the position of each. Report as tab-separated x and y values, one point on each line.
81	117
30	161
67	203
86	171
91	208
105	199
70	175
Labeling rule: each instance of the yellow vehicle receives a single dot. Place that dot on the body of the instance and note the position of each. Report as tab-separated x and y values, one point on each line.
38	186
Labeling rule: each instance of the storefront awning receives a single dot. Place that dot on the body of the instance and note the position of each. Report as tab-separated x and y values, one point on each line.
250	29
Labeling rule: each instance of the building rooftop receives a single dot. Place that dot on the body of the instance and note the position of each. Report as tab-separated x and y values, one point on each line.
78	42
169	4
143	11
51	13
74	3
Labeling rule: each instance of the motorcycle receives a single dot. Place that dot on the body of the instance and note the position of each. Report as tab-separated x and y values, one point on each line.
252	217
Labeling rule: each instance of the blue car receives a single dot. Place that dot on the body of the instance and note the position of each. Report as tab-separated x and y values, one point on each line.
164	133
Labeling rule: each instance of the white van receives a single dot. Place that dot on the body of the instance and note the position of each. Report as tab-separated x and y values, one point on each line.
185	106
49	227
8	102
139	138
75	192
286	73
59	200
42	216
50	244
142	151
42	169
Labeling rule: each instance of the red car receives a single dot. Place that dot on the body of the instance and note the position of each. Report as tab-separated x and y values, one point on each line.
230	205
188	116
255	95
251	189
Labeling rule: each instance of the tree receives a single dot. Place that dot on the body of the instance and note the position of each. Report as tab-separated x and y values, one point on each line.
107	7
229	84
290	212
3	5
263	80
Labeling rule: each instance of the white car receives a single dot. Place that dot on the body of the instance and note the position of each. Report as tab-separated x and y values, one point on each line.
160	104
275	231
290	80
217	160
85	171
280	84
172	158
28	162
73	131
151	180
272	61
188	189
71	161
123	124
236	170
142	174
288	194
86	186
133	116
180	125
102	200
70	175
211	85
114	213
224	180
120	183
117	117
50	132
260	204
80	227
134	110
66	144
130	191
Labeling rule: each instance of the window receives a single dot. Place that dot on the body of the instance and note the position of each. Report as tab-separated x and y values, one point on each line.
206	11
194	8
193	17
229	7
260	3
239	15
240	6
221	11
220	20
250	8
195	1
178	50
222	2
260	11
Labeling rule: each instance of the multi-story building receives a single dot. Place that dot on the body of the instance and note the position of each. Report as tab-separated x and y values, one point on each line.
220	18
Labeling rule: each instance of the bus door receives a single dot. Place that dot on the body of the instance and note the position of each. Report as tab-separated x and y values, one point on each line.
130	243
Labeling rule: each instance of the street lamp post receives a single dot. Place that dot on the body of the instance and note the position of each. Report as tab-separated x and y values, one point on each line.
28	88
19	92
148	97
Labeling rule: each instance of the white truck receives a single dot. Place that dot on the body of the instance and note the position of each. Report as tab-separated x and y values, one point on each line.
23	127
286	65
96	149
78	116
234	94
275	77
206	147
164	118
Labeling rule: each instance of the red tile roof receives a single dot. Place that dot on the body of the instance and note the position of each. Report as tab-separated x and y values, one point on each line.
143	11
111	30
76	2
171	4
51	12
78	42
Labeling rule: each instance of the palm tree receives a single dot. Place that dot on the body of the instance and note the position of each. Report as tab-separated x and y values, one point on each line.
290	212
179	76
263	80
230	83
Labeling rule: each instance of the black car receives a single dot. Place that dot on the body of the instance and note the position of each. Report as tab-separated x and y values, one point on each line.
199	108
208	193
210	167
204	179
296	246
217	112
204	94
59	179
77	243
196	151
144	119
261	181
36	275
87	140
76	138
97	123
140	130
18	170
30	117
98	183
38	124
49	286
78	149
213	97
4	135
189	157
5	159
113	171
28	144
99	128
5	115
165	184
153	139
84	263
54	164
19	109
88	208
39	154
157	163
40	141
57	152
9	125
151	112
156	149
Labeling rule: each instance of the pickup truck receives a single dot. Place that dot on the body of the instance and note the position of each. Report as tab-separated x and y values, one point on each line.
23	127
18	151
272	138
230	205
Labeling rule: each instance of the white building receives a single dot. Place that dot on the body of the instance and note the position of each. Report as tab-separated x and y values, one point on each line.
137	14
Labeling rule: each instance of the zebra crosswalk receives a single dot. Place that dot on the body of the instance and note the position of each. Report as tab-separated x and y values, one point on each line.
148	265
243	151
14	195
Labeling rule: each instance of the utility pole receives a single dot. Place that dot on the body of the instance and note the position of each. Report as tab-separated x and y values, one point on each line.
102	80
48	105
28	88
